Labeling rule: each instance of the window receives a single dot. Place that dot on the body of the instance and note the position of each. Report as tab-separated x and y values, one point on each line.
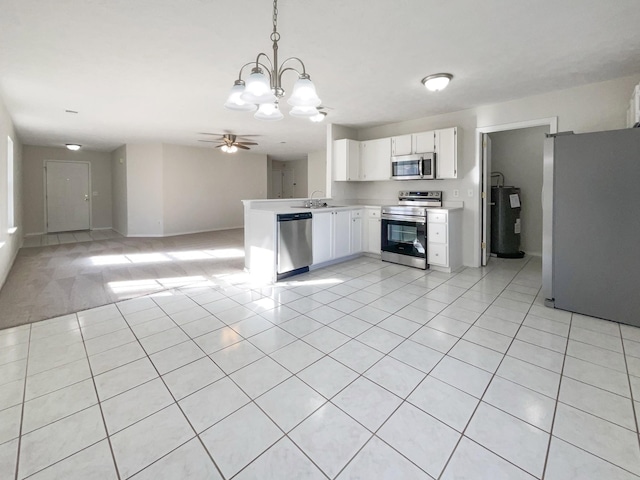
11	221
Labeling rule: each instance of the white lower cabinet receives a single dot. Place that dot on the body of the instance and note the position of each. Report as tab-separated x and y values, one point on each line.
357	231
444	240
322	236
373	231
331	233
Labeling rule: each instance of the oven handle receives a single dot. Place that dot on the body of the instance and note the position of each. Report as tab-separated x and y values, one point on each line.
404	218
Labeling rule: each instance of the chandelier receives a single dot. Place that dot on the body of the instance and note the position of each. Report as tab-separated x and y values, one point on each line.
263	93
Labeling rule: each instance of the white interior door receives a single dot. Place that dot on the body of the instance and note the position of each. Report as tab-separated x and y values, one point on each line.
486	198
68	200
276	183
288	183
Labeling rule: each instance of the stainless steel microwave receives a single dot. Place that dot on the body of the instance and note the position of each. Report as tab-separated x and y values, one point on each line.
421	166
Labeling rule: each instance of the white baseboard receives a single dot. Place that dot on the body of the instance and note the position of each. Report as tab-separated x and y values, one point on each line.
103	228
33	234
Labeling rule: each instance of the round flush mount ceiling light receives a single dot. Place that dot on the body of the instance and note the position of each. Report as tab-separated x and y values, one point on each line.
73	146
437	81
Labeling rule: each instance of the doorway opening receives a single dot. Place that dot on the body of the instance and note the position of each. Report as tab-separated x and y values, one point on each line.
67	196
515	151
288	179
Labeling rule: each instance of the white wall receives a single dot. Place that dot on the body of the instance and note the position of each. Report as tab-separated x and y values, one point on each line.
317	171
144	190
202	188
119	190
33	182
10	243
599	106
518	154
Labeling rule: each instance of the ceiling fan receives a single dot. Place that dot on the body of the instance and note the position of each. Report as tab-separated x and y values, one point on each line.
230	143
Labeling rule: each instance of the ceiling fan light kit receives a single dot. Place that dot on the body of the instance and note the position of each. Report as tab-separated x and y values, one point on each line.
437	81
319	117
264	92
229	148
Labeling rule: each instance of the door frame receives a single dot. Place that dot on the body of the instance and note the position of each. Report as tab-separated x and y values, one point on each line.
484	176
44	189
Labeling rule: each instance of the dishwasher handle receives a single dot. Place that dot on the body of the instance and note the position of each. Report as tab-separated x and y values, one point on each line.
289	217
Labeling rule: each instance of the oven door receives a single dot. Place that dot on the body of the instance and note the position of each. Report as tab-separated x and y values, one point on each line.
404	240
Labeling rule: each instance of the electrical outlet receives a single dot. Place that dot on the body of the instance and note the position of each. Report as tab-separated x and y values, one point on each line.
456	193
470	192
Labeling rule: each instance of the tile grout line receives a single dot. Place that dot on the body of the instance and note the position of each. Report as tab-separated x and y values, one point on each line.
95	389
24	394
633	403
177	405
493	375
405	400
557	401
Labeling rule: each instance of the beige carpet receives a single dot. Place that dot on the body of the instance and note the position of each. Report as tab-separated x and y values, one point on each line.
54	280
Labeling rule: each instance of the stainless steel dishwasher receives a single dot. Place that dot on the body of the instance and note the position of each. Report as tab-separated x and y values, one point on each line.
295	252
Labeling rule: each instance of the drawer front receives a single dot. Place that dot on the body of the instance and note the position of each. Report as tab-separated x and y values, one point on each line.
436	217
373	213
437	255
437	233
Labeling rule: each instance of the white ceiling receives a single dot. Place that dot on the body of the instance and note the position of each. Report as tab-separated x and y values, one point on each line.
160	70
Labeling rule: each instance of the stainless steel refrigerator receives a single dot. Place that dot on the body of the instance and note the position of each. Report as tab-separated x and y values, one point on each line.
591	224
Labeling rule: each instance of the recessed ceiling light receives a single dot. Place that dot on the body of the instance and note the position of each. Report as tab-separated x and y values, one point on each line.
437	81
73	146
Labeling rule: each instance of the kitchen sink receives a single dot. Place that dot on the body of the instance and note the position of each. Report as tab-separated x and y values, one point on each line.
316	207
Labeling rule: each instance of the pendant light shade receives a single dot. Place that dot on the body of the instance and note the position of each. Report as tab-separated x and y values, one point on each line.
257	90
269	111
234	102
303	112
304	93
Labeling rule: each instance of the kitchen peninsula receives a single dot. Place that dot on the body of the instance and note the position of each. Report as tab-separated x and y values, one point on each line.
339	233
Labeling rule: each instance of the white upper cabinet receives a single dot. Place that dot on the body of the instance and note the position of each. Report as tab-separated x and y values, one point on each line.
401	145
346	160
371	160
375	159
423	142
446	148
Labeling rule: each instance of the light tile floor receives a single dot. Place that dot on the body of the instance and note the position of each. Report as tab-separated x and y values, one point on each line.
363	370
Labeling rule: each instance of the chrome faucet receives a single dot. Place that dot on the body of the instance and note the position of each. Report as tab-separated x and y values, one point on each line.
311	203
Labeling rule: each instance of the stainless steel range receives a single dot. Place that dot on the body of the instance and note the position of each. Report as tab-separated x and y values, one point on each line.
404	228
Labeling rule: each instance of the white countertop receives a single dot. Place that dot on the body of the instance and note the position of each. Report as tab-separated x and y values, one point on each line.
295	205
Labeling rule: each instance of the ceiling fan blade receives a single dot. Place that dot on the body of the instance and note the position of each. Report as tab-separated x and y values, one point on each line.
214	134
242	146
219	146
245	143
208	141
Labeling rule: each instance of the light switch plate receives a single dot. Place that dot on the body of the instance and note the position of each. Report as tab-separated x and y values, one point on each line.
456	193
